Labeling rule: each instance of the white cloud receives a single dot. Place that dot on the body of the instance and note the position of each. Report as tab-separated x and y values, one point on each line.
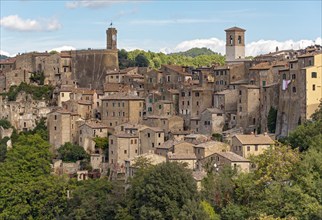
14	22
6	53
214	44
92	3
62	48
266	46
252	49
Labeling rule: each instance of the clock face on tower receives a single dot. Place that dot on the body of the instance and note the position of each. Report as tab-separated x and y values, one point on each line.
113	37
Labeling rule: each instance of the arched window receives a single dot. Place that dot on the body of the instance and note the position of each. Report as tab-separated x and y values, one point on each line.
239	40
231	40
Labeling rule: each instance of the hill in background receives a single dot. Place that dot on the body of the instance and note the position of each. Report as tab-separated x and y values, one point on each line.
194	52
3	57
195	57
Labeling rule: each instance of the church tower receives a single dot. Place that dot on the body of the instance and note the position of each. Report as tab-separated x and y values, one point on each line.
235	44
111	41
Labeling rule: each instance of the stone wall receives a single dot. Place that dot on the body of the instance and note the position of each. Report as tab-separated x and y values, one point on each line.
90	66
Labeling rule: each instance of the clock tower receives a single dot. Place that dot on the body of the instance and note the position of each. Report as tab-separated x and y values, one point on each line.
111	41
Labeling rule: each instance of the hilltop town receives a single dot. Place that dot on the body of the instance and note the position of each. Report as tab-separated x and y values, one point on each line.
219	115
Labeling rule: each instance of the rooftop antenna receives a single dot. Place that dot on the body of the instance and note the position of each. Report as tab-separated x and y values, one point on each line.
111	24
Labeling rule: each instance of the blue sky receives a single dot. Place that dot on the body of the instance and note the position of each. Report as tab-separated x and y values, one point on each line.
165	26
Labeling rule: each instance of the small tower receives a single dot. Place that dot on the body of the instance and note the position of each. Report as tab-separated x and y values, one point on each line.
235	44
111	34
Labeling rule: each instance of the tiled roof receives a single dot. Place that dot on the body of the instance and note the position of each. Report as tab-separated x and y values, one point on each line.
8	61
122	96
174	156
254	139
232	157
95	124
235	29
261	66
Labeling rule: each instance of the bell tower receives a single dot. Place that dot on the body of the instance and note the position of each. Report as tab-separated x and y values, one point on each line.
111	38
235	44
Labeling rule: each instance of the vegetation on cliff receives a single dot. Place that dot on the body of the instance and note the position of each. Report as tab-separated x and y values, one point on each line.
37	92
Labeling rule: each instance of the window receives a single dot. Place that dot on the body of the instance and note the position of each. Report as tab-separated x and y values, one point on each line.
182	94
197	94
239	148
294	89
54	128
197	103
63	94
182	102
55	117
136	151
125	151
160	106
240	92
152	145
256	147
231	40
149	109
264	83
112	143
149	135
159	135
291	65
248	148
239	40
188	103
168	78
313	87
150	100
293	76
284	76
313	75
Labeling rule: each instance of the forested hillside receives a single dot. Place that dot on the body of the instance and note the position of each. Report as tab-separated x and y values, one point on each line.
195	57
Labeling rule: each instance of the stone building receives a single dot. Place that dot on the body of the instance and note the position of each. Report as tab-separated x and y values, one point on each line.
167	123
62	127
226	100
131	169
208	148
193	101
247	145
88	131
119	108
248	108
7	65
235	44
300	92
123	146
221	159
150	138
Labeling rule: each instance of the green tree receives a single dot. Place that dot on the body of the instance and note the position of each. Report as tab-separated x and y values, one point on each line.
141	60
166	191
71	153
3	148
271	120
5	123
27	190
95	199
